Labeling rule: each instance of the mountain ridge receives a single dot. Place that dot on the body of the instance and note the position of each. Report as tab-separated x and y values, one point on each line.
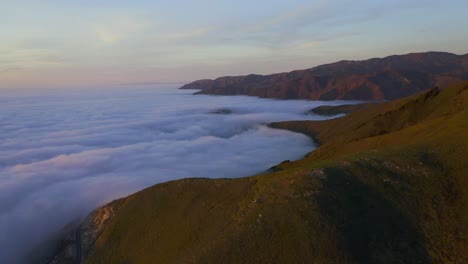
387	78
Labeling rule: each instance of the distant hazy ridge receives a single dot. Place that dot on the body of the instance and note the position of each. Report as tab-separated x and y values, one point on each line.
374	79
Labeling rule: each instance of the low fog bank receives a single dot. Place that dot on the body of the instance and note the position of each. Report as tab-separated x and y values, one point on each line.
62	155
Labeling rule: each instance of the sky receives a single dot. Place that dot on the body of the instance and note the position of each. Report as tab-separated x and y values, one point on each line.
103	43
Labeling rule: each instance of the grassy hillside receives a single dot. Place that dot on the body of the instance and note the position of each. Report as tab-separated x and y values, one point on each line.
387	185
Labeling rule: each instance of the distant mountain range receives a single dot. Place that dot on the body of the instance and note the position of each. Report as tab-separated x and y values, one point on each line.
374	79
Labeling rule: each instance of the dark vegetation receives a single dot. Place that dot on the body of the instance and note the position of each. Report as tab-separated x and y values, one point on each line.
387	185
331	110
386	78
222	111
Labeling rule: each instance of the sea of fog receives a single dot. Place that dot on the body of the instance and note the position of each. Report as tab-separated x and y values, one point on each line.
64	153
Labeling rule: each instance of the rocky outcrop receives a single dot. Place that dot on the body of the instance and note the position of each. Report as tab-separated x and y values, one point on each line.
84	237
374	79
94	224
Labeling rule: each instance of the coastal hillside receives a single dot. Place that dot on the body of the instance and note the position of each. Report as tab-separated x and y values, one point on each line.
386	78
386	185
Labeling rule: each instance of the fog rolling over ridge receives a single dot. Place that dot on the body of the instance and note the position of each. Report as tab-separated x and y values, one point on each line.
64	153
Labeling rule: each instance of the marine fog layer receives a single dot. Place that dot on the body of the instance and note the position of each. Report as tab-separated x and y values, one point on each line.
64	153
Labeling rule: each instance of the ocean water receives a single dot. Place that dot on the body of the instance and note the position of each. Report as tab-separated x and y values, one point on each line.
63	153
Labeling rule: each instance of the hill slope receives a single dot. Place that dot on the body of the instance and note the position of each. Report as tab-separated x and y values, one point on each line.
387	185
331	110
374	79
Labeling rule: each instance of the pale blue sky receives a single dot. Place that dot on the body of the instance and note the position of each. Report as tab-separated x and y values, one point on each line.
91	43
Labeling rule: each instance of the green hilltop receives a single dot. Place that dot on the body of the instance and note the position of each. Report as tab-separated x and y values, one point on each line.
388	184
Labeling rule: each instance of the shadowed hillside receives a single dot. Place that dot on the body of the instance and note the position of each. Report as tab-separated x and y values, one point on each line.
374	79
331	110
387	185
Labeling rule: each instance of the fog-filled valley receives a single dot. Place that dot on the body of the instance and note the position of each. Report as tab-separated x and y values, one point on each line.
62	154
